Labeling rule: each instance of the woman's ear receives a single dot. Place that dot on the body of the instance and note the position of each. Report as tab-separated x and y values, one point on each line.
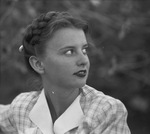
36	64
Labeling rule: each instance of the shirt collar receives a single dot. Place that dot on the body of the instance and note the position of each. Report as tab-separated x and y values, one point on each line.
40	115
70	118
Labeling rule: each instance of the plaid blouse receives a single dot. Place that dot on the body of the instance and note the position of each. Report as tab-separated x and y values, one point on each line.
92	112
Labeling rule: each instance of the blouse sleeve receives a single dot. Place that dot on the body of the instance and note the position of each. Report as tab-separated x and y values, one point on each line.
6	124
112	119
105	117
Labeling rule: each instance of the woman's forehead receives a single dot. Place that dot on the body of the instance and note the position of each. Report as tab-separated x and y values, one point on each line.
67	37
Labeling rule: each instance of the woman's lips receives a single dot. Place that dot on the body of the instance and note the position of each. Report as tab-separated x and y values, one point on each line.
81	73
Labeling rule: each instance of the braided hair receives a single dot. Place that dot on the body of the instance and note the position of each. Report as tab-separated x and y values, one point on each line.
43	28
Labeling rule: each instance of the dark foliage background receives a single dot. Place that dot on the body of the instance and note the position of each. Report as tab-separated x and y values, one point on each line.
120	59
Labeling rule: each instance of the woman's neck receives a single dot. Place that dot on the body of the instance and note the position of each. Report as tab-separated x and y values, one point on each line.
60	98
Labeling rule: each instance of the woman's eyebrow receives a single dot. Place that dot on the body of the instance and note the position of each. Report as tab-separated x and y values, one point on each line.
67	47
73	47
86	45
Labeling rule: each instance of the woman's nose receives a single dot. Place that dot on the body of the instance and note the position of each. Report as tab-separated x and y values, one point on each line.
83	60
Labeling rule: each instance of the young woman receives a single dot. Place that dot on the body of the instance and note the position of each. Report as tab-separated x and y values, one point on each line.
55	48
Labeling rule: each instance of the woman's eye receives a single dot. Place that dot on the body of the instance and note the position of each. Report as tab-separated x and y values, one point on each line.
69	52
84	51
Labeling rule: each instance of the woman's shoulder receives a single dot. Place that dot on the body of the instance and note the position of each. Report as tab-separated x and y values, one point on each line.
24	100
101	100
104	113
18	111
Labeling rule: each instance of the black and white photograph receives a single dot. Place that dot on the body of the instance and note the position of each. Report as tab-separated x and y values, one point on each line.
74	66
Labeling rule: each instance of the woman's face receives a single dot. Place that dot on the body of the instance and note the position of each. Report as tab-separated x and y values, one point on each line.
66	62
